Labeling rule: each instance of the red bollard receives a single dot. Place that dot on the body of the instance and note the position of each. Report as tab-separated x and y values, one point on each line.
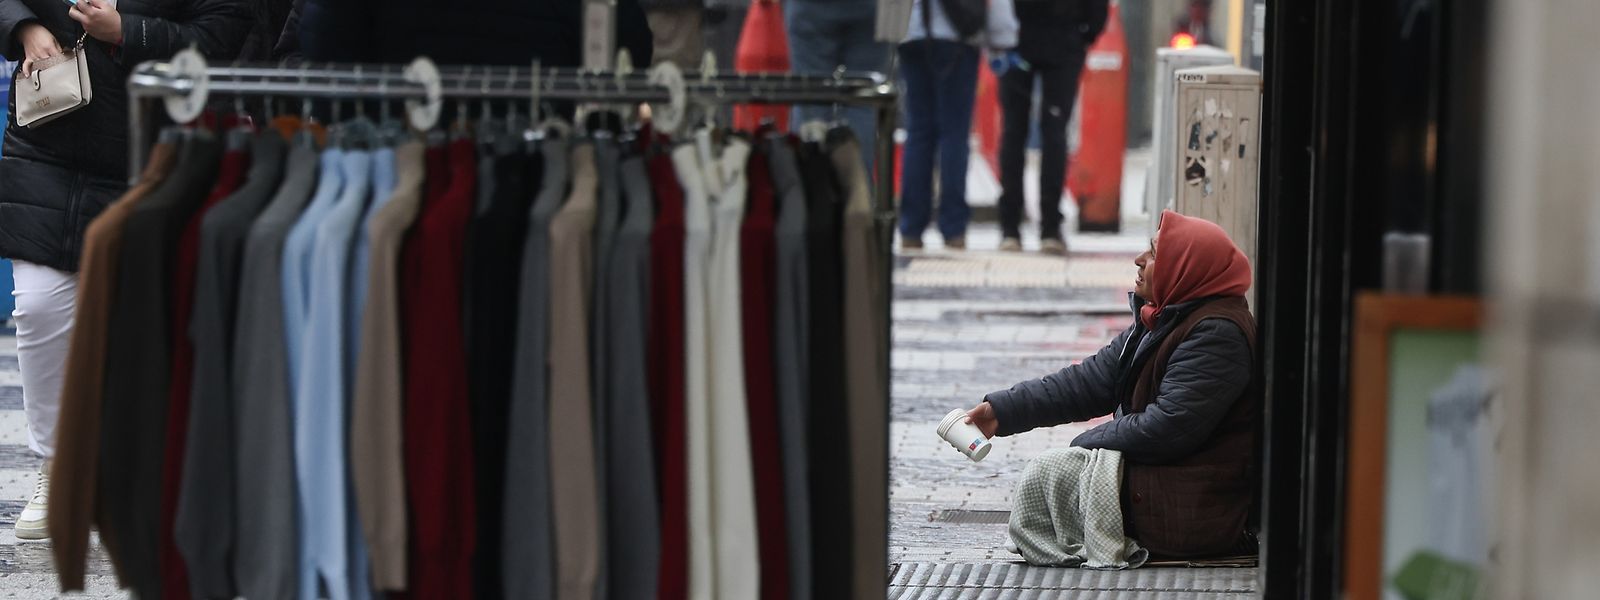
986	118
763	48
1095	176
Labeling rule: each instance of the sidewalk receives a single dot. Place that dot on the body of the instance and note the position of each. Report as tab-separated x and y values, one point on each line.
969	323
26	570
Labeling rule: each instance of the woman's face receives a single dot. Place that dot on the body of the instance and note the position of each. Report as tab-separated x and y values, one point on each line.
1141	284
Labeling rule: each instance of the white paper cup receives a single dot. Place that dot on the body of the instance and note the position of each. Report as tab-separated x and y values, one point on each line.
965	436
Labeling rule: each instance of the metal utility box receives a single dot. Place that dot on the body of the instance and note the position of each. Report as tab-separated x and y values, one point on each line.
1218	155
1159	188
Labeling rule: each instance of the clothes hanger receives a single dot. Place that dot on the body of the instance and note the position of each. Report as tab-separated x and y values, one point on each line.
838	79
238	137
608	120
532	134
390	130
553	123
708	108
360	132
462	129
625	116
307	137
514	130
336	124
486	129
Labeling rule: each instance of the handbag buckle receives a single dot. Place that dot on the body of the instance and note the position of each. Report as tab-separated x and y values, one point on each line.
37	85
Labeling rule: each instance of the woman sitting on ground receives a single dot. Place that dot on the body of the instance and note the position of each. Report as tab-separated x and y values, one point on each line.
1180	382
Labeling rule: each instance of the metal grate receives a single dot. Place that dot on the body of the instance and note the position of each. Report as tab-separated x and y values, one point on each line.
971	517
1008	581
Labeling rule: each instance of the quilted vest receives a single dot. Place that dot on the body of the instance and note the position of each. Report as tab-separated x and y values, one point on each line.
1200	505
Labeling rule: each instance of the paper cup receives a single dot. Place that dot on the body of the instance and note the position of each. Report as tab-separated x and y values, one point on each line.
964	436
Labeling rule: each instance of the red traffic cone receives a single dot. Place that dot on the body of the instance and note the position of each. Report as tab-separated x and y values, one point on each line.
763	48
1095	178
986	117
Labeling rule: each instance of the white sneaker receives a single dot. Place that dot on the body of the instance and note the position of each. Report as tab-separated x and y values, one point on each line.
31	524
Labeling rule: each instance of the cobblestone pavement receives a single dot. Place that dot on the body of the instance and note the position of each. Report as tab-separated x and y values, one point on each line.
969	323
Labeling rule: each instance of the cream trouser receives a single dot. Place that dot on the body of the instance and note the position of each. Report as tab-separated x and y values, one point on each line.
45	300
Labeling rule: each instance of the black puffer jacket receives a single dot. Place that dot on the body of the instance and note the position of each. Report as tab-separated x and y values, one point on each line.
55	178
1205	375
1055	31
470	33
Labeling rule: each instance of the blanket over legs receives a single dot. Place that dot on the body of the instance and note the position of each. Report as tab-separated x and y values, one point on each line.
1068	512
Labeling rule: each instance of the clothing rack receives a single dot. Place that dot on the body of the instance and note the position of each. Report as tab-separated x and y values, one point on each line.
425	87
186	84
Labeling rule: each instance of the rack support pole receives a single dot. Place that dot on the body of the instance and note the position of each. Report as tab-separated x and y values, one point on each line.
137	144
884	210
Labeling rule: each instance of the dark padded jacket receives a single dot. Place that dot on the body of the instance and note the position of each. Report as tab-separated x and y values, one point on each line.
1054	31
1187	416
461	33
1205	374
57	177
471	33
270	18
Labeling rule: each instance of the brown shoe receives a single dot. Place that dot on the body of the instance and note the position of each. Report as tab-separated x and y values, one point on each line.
1011	244
956	243
907	243
1053	246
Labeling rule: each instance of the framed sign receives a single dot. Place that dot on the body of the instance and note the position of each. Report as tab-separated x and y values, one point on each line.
1415	465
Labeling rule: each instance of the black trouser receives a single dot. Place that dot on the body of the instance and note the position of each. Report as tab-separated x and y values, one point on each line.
1059	83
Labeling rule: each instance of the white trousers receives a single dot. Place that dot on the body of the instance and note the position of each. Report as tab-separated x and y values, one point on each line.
45	301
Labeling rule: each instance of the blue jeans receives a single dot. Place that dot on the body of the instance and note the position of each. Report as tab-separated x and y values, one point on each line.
822	37
941	80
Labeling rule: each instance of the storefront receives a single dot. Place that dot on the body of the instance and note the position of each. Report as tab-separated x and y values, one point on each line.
1372	114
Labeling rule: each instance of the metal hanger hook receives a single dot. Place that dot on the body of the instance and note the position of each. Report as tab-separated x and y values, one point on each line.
305	103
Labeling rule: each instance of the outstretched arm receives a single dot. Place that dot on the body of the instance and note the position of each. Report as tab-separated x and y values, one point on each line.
1082	391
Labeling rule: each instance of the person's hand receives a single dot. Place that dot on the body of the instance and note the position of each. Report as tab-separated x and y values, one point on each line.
99	19
982	416
37	44
1001	61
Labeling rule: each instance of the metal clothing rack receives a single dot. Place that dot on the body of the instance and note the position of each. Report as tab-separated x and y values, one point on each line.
186	80
186	83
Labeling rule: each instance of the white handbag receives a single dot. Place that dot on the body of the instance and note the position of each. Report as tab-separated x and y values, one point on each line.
57	86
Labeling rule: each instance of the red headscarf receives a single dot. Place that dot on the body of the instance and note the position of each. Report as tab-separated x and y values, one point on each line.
1194	259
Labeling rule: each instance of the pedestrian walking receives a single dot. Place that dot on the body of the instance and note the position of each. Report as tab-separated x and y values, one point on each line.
939	64
57	176
825	35
1051	48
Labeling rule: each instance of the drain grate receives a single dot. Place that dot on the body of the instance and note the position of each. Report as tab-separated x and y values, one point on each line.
971	517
